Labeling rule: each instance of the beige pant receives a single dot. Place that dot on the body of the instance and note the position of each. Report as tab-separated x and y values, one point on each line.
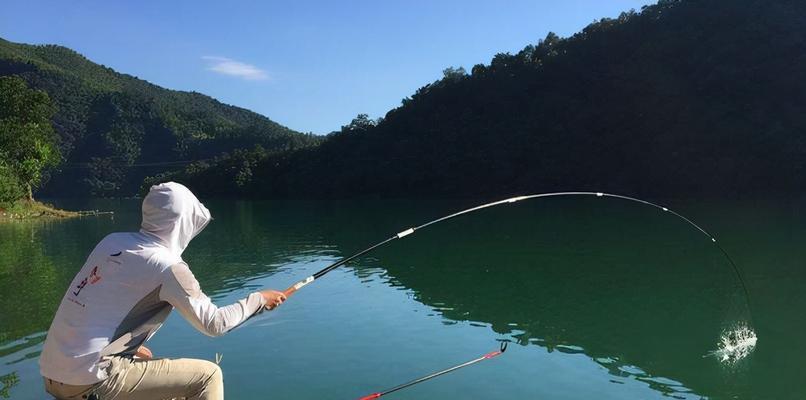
147	380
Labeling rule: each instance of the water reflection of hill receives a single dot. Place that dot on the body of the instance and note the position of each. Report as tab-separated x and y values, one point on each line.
29	281
638	291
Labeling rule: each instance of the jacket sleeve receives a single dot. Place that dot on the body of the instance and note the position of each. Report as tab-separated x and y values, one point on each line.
181	289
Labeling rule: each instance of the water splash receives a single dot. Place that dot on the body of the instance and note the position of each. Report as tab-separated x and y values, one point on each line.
735	344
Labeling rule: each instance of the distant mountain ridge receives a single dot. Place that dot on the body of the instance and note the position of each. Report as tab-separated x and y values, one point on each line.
116	129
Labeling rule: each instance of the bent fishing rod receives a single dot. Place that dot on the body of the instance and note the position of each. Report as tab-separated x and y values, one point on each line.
487	356
293	288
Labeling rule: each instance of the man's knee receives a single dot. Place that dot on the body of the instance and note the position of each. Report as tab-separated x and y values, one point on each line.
215	371
209	380
215	378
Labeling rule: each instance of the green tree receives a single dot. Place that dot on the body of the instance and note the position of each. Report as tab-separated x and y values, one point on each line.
454	74
27	140
361	123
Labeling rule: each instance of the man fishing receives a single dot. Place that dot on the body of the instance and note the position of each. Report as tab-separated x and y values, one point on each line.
122	295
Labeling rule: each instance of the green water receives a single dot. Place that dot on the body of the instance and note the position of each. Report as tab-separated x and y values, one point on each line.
599	298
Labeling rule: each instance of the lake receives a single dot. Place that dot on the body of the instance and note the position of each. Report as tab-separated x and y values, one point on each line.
598	298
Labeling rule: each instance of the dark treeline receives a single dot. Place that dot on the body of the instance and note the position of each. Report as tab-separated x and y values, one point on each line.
692	97
115	129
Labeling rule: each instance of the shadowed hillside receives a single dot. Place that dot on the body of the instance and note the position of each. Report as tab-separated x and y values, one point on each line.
687	97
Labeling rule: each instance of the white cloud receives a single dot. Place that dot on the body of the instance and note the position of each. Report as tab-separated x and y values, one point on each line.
228	66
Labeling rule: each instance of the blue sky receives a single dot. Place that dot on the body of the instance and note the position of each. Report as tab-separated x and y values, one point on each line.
309	65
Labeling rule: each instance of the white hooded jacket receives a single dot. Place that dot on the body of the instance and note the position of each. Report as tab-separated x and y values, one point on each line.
128	286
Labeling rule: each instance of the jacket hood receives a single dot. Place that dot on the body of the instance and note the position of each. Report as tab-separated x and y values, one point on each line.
174	215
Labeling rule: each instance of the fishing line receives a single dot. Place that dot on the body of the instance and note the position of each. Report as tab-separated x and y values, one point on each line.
293	288
734	345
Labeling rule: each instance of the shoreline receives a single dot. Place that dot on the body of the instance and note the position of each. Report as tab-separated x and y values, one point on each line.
21	210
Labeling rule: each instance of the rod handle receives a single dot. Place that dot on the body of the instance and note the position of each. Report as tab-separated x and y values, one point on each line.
297	286
370	397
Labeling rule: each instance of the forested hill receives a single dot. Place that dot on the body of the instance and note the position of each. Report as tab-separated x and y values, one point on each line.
681	98
115	129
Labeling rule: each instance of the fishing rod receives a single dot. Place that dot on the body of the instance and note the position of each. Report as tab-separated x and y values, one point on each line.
293	288
487	356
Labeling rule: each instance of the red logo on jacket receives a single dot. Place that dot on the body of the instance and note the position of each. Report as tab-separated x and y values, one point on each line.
92	279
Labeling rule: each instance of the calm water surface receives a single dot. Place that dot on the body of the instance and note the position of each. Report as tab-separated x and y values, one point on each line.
598	298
